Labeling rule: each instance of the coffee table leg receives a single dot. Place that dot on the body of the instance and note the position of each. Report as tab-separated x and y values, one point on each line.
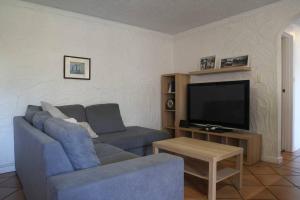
155	150
212	180
237	179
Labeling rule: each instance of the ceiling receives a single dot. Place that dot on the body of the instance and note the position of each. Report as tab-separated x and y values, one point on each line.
167	16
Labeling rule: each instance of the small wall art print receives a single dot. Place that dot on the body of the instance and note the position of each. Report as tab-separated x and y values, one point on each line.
235	62
77	68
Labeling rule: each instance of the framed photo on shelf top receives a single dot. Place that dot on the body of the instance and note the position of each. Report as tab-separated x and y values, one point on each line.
208	63
241	61
77	68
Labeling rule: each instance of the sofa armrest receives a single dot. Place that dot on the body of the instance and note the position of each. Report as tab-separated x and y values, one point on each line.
159	177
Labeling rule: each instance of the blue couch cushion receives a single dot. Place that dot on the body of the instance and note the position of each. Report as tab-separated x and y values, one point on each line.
75	141
133	137
39	119
105	118
142	151
74	111
118	157
109	154
30	111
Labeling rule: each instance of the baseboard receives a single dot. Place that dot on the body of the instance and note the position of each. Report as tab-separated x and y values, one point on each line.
9	167
272	159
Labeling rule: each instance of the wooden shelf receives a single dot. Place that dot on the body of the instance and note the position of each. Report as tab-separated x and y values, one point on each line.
221	70
174	74
201	171
170	93
170	127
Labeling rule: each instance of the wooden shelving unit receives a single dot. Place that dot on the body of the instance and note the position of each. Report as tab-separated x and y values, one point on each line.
221	70
250	142
171	118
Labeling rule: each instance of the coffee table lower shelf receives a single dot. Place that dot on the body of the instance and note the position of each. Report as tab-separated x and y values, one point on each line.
202	171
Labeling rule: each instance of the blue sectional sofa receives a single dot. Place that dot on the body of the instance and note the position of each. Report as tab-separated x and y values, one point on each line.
126	172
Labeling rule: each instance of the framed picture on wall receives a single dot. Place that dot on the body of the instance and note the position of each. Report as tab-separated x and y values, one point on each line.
77	68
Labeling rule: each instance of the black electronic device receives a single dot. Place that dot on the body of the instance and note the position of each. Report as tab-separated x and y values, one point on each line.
224	104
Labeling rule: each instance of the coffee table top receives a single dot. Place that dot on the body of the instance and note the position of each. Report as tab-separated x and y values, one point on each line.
198	149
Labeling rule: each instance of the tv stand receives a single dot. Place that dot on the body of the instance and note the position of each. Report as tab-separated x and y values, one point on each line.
250	142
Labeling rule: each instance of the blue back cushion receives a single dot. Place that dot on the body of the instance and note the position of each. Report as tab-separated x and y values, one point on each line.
39	119
105	118
31	110
74	111
75	141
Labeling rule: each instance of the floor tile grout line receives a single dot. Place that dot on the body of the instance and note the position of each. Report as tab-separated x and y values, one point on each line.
284	176
290	182
13	193
9	194
264	185
6	179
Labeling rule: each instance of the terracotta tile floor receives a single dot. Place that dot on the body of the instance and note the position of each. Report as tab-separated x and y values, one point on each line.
263	181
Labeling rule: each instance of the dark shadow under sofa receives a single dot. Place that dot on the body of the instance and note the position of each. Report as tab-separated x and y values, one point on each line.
45	172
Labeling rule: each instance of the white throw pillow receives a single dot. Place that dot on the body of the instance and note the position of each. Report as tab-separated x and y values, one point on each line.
71	120
85	125
88	128
54	112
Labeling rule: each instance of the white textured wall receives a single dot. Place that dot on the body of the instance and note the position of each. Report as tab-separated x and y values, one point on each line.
256	33
126	65
294	30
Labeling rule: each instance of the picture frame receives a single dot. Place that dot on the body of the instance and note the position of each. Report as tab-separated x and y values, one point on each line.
235	62
208	63
77	68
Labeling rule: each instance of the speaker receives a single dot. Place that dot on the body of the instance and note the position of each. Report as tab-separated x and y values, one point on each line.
184	124
170	104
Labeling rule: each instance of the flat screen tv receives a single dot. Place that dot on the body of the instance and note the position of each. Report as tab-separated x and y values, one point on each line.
223	104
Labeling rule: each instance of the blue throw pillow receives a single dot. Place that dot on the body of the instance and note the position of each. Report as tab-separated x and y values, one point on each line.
39	119
75	141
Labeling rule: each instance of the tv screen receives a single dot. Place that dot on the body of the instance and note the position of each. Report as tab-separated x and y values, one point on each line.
222	104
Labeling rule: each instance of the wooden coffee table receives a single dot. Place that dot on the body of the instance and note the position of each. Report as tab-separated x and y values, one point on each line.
201	160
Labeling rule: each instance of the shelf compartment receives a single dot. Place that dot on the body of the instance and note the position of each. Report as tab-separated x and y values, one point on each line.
215	138
181	133
233	142
166	80
170	110
170	130
200	136
244	145
169	119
